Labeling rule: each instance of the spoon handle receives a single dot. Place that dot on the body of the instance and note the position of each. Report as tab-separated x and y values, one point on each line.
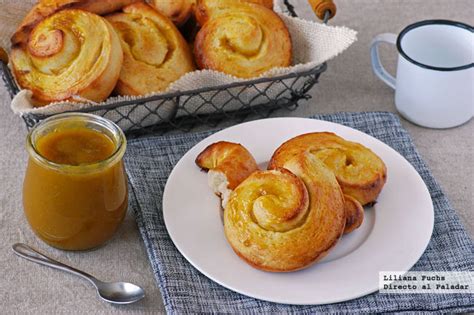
33	255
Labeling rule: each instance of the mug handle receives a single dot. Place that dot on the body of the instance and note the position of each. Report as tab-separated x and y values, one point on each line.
377	66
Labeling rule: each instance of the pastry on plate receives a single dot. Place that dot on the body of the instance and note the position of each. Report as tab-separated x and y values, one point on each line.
287	218
359	171
227	164
155	52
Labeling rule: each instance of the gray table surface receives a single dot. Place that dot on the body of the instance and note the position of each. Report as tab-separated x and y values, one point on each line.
348	85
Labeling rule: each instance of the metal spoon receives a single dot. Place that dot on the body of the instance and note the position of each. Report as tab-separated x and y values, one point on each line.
113	292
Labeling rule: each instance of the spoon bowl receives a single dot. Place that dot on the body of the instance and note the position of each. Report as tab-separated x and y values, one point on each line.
119	292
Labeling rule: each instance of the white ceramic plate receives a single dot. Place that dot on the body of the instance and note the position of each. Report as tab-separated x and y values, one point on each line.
393	236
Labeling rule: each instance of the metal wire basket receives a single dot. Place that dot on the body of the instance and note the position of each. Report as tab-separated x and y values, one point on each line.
208	106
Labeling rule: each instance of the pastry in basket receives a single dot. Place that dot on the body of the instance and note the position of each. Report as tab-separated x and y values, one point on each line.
228	164
241	39
288	218
265	3
45	8
155	53
359	171
178	11
71	55
204	7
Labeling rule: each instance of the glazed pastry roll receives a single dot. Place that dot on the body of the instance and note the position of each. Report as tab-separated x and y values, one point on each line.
241	39
71	55
45	8
359	171
204	7
288	218
228	165
155	53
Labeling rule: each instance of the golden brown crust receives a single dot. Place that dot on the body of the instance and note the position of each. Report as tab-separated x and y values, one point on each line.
288	218
45	8
241	39
104	7
359	171
155	53
204	8
70	55
178	11
354	214
232	159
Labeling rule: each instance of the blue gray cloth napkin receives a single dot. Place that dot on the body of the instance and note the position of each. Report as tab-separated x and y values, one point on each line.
150	160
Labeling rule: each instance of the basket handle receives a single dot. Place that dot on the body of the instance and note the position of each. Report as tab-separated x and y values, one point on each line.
323	7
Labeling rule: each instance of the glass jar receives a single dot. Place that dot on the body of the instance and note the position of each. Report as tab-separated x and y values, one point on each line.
75	193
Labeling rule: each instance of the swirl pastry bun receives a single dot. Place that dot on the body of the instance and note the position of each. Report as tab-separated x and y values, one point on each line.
72	54
45	8
204	7
241	39
178	11
228	164
360	172
288	218
155	53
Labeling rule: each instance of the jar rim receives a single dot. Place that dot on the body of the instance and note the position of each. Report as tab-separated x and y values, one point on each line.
118	153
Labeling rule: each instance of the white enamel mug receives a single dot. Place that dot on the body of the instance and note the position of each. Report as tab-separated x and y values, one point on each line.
434	86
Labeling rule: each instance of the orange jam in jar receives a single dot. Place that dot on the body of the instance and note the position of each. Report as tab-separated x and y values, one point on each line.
75	192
